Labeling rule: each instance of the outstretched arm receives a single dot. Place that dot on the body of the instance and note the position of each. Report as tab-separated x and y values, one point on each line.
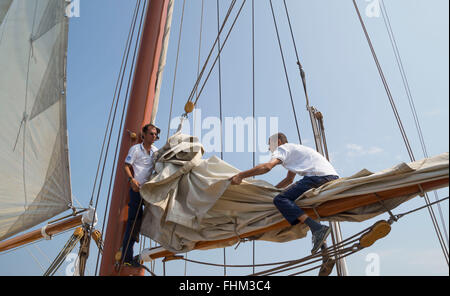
257	170
287	181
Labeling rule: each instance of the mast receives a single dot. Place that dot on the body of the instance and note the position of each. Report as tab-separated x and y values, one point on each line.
139	113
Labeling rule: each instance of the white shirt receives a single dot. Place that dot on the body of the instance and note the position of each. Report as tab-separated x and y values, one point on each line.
141	161
303	160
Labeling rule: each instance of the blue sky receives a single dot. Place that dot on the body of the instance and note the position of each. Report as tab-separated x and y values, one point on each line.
343	84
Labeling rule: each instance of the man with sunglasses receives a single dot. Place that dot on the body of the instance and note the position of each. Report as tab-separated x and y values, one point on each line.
138	168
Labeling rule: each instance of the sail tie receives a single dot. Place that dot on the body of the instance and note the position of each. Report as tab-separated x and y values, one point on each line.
317	213
44	233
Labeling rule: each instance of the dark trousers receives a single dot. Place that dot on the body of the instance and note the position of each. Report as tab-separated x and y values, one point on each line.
285	201
135	212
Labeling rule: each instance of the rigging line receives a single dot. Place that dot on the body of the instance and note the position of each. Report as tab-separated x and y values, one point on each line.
253	109
236	265
304	262
300	66
176	68
332	251
115	97
194	89
117	104
399	61
35	259
220	51
220	82
329	250
45	255
194	121
285	71
200	37
420	208
386	86
340	257
402	130
220	113
121	122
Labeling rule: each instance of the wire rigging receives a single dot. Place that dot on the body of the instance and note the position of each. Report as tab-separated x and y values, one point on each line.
387	23
220	111
194	89
402	130
176	67
220	50
121	78
285	72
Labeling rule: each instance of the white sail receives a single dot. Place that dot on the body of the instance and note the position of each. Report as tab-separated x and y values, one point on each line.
34	164
190	199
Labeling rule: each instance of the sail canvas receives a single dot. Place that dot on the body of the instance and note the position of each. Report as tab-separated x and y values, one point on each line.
34	159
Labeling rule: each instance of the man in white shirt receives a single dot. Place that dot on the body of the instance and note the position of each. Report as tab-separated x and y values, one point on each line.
138	167
301	160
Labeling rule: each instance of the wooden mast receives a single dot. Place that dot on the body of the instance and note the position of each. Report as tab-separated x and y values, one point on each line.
139	113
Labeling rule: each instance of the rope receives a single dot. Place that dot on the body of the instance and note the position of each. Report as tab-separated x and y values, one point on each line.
128	48
108	130
176	68
220	50
194	89
253	109
420	208
402	130
198	60
220	82
220	111
285	72
399	62
302	72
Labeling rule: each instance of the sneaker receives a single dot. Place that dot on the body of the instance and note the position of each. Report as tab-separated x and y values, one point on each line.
319	237
133	263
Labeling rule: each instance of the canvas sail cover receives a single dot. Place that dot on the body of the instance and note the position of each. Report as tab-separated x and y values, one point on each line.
34	164
190	199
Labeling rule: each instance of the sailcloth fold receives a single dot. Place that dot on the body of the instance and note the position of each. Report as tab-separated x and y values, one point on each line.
34	163
190	199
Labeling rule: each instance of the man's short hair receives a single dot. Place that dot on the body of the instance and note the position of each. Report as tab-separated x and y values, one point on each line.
282	137
151	126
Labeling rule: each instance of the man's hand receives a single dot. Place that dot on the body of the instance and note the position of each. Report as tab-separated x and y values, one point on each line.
236	180
135	185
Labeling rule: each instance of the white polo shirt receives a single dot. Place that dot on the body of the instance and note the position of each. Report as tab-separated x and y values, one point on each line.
141	161
303	160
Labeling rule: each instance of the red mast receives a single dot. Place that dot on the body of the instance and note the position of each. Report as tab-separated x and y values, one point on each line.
139	112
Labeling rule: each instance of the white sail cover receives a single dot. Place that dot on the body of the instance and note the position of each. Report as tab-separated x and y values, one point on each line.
190	199
34	164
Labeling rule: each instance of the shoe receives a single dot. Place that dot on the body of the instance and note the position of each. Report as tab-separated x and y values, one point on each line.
319	237
133	263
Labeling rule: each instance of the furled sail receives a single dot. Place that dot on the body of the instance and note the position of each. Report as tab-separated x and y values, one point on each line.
190	199
34	163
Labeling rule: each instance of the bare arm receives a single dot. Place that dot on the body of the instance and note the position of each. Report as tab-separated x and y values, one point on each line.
133	182
257	170
287	181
